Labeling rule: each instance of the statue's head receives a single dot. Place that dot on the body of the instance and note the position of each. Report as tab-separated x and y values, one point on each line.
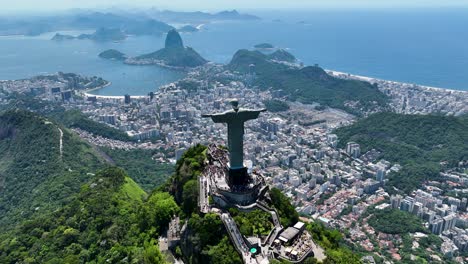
235	104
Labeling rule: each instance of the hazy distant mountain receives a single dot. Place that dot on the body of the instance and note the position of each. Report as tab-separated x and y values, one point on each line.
188	29
102	34
128	24
173	16
133	25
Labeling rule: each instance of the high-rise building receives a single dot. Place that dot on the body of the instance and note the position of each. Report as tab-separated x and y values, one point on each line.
380	174
463	204
454	201
428	215
332	140
316	168
127	99
449	222
312	183
217	104
319	154
417	208
395	201
336	179
353	149
151	96
407	204
55	90
437	225
66	95
371	186
109	119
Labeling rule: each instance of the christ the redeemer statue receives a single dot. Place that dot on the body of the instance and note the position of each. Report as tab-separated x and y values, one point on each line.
235	119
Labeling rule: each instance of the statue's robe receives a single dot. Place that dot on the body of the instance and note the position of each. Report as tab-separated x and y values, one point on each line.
235	121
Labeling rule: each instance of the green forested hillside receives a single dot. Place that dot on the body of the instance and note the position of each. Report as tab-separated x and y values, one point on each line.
138	163
109	221
282	55
68	118
35	177
309	84
419	142
55	207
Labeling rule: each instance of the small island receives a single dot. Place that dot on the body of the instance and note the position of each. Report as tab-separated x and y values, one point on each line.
173	55
264	46
113	54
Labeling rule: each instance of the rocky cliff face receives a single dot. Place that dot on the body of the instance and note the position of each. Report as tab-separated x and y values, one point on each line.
173	40
174	54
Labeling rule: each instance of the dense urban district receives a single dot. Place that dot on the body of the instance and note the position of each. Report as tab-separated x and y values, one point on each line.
385	164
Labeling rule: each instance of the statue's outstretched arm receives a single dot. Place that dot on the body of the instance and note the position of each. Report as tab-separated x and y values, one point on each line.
217	118
249	114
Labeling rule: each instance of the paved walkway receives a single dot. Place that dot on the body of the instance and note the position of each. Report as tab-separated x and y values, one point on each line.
236	236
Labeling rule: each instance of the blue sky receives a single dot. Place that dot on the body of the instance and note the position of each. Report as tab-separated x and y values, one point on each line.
53	5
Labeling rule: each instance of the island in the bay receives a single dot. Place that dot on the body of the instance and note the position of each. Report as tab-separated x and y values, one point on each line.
173	55
112	54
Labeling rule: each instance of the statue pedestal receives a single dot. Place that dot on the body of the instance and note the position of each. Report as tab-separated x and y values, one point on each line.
238	177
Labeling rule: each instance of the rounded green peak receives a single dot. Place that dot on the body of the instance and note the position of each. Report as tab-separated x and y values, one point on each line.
173	40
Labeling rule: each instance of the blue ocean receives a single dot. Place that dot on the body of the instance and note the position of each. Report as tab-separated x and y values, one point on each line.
427	47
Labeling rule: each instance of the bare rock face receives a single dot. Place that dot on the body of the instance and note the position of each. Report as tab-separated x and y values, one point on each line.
173	40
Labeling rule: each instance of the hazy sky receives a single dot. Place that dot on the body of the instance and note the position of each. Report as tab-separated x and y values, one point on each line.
52	5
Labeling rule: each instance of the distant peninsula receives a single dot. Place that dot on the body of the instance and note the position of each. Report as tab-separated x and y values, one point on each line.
131	23
113	54
174	54
201	17
62	37
102	34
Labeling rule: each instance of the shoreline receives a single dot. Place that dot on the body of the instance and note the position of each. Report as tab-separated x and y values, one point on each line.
373	80
330	72
88	94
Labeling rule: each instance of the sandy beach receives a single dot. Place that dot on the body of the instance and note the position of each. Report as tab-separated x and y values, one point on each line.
372	80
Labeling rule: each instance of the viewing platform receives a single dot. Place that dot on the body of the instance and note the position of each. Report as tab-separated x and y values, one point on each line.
224	192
